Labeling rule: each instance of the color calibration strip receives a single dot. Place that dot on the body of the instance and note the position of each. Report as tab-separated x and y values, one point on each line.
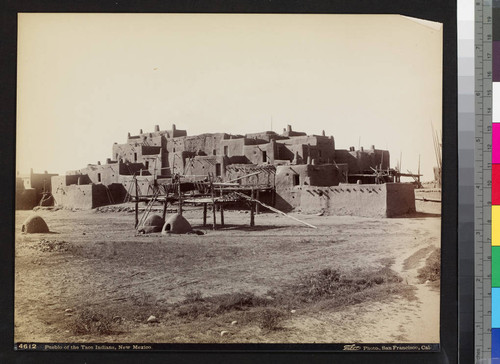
495	193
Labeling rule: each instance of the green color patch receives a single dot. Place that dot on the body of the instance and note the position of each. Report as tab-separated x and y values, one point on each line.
495	266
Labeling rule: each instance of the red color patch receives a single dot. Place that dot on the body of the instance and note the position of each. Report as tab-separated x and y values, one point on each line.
495	180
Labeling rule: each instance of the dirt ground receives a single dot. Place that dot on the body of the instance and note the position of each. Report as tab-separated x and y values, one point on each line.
94	261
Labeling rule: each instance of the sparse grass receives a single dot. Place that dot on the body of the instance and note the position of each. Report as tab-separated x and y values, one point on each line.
323	290
339	289
237	302
431	271
192	297
326	289
88	321
195	305
45	245
387	262
144	299
271	319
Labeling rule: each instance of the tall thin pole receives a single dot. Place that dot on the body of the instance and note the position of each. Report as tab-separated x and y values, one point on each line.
221	207
214	216
418	170
136	202
204	214
252	209
165	204
180	195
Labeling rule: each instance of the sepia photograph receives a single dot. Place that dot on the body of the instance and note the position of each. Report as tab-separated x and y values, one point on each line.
228	179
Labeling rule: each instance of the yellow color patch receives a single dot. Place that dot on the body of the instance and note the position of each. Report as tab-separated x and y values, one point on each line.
495	226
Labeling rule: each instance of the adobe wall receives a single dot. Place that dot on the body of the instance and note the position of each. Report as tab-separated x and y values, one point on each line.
265	177
144	183
400	199
20	183
234	147
127	152
288	132
40	180
109	173
312	175
360	161
206	143
285	176
101	197
73	196
172	133
69	179
325	175
26	198
260	154
203	165
283	153
383	200
177	161
147	150
153	164
265	136
319	148
326	149
129	169
29	189
86	196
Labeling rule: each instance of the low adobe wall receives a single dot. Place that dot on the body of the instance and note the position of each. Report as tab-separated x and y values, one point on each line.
73	196
144	185
81	196
400	199
384	200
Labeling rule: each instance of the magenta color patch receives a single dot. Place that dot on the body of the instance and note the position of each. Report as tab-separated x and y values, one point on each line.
495	148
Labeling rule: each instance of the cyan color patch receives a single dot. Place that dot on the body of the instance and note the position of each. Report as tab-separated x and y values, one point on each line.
495	308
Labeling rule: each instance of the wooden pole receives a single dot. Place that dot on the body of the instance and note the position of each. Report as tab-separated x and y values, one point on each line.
252	210
136	202
418	172
246	175
180	196
204	214
214	222
166	203
257	206
222	214
165	208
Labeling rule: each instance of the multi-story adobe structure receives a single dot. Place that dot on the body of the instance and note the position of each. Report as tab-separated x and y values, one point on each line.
287	162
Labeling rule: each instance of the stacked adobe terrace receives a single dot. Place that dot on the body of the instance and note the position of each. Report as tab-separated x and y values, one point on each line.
294	170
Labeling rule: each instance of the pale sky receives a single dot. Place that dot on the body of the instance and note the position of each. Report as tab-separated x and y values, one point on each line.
85	80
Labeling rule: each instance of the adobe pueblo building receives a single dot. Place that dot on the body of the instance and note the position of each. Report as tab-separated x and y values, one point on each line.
288	171
34	190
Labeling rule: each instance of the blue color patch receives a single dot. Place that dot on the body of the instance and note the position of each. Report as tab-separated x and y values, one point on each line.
495	345
495	305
